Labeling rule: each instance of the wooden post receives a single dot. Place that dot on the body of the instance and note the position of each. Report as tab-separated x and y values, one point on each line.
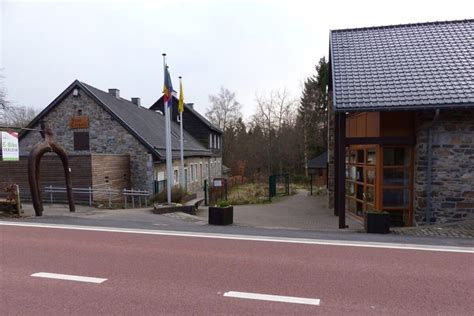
340	167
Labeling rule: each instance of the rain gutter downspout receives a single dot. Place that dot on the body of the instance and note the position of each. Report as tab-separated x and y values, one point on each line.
429	175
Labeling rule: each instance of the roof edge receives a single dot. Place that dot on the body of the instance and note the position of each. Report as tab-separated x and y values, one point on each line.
405	108
399	25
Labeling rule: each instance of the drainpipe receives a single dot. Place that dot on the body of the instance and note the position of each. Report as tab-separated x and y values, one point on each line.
429	175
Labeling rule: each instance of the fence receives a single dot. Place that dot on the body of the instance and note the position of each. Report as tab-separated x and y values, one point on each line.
58	194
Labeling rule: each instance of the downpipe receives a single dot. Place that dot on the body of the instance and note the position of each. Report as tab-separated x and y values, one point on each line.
429	174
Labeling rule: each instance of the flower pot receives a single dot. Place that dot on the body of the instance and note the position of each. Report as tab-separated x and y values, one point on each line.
221	215
377	222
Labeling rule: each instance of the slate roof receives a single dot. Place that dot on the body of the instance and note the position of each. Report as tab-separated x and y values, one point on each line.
412	66
318	162
159	105
146	125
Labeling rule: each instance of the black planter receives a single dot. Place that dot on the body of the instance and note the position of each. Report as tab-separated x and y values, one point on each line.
377	223
221	215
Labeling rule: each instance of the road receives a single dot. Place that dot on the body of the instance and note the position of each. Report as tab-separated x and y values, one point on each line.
149	273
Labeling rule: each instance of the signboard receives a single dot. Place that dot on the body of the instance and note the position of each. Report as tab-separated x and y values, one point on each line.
79	122
10	149
217	183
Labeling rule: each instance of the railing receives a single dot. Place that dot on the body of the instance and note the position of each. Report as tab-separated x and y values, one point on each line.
106	194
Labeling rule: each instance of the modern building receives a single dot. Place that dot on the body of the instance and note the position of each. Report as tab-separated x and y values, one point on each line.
90	122
401	132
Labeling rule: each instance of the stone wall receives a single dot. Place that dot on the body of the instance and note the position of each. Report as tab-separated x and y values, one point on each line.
107	136
211	168
330	171
452	166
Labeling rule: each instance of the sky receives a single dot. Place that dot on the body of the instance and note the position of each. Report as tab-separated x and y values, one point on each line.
248	47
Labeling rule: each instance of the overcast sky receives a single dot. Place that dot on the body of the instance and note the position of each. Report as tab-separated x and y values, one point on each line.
248	47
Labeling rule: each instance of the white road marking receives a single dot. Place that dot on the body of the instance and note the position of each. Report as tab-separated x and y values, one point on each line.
342	243
274	298
68	277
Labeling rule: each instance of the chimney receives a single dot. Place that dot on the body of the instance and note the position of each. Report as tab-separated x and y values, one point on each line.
136	101
115	92
191	105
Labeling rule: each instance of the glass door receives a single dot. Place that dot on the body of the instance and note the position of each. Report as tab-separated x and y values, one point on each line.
397	185
360	179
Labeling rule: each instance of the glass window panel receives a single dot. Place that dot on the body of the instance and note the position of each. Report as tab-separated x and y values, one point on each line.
353	157
371	157
353	173
360	174
396	197
360	156
359	208
370	176
396	176
350	188
360	191
396	156
347	172
370	195
352	205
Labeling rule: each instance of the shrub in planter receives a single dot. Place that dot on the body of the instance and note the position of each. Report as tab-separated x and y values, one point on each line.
221	214
377	222
177	195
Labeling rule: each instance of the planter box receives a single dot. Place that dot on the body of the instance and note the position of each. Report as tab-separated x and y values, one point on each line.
377	222
221	215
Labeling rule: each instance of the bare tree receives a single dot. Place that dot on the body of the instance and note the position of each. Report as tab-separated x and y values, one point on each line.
224	110
11	115
275	111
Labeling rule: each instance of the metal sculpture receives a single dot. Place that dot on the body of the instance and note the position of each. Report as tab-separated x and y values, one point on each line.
34	159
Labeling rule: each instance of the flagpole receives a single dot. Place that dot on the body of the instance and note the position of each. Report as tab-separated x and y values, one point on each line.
169	162
181	167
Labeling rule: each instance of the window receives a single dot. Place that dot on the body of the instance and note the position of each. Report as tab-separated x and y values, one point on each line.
218	139
81	141
192	173
175	176
210	140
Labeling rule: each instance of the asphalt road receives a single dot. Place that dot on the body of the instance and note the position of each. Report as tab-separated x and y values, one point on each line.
164	274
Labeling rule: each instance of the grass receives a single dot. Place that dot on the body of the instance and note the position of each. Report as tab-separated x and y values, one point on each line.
248	193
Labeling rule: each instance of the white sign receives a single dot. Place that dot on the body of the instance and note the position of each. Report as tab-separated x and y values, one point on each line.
10	150
217	183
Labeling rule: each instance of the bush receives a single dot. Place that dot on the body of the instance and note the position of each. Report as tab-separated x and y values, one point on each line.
222	203
300	179
177	195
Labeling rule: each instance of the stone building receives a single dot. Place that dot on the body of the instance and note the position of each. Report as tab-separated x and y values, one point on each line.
402	122
89	121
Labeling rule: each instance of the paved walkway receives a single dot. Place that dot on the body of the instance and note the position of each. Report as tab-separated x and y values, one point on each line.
464	229
299	211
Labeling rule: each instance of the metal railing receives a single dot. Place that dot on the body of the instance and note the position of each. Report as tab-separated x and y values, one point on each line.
104	194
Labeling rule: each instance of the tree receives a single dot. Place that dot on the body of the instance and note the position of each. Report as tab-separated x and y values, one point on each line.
224	110
312	113
275	117
11	115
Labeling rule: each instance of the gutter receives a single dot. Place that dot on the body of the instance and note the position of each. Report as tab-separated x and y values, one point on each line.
429	175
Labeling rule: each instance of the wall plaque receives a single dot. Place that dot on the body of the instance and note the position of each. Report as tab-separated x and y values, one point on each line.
79	121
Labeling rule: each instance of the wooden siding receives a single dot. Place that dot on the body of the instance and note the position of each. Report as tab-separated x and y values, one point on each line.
111	171
380	124
86	171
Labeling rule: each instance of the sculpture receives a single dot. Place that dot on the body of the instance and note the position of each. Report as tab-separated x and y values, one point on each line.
34	159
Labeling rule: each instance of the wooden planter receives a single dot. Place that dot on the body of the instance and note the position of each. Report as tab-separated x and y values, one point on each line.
377	222
221	215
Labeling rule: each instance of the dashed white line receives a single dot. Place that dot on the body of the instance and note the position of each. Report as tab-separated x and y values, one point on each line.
68	277
274	298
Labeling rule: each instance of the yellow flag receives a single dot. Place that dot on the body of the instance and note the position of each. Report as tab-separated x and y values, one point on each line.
181	97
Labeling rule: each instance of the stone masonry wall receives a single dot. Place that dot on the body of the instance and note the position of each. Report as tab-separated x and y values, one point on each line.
214	169
331	135
107	136
452	166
